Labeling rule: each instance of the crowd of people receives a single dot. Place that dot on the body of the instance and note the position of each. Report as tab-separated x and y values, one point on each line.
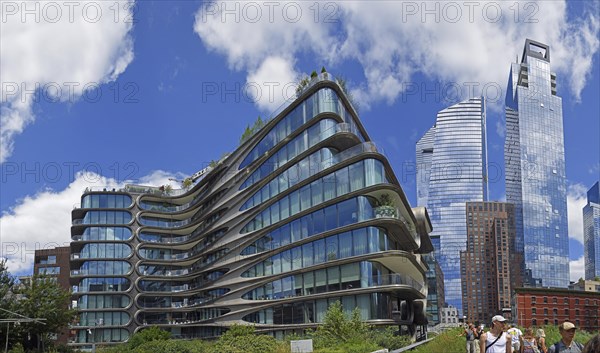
502	339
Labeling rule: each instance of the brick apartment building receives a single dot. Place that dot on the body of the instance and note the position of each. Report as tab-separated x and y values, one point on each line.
490	266
552	306
55	262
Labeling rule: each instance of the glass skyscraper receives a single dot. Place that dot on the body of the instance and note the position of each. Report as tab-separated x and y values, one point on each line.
455	150
591	233
535	167
304	213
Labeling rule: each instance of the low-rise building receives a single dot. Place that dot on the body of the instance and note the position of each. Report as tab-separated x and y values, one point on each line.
552	306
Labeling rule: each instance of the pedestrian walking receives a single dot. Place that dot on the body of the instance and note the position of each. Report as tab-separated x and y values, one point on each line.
541	340
496	340
566	343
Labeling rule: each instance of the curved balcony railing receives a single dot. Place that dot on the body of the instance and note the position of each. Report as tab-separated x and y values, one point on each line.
393	212
396	278
320	77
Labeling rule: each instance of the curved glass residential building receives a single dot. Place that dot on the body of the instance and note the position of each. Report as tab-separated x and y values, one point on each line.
304	213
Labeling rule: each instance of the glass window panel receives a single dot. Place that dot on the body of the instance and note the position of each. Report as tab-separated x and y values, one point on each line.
297	258
303	169
307	255
309	283
320	281
317	191
363	303
321	309
345	244
288	286
294	203
331	220
347	212
359	241
333	278
357	178
350	276
286	261
275	213
342	181
298	284
348	303
305	198
329	188
307	226
285	207
319	250
296	230
277	289
370	172
318	218
331	244
373	238
285	236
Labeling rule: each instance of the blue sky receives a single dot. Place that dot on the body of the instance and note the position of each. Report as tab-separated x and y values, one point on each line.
161	96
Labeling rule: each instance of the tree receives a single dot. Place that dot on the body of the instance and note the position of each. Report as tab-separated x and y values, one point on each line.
42	297
187	183
338	328
250	131
148	335
7	283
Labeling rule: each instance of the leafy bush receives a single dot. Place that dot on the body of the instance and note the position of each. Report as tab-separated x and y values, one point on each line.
172	346
387	338
150	334
17	348
338	329
242	339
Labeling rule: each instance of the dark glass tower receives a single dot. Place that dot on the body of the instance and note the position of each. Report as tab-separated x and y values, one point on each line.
304	213
534	154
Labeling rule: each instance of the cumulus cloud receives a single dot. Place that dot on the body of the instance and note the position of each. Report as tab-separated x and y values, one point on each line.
56	52
43	220
393	40
577	268
264	83
576	200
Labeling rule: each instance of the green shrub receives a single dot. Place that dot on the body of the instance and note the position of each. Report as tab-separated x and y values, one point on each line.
17	348
172	346
150	334
338	329
242	339
387	338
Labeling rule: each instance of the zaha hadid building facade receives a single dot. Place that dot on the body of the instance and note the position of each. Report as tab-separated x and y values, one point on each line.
304	213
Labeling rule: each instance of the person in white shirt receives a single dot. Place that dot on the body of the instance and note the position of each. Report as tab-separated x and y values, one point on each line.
496	340
516	334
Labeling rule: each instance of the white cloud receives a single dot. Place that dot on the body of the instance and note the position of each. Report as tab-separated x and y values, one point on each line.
43	220
266	84
576	200
391	44
161	177
70	48
577	268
